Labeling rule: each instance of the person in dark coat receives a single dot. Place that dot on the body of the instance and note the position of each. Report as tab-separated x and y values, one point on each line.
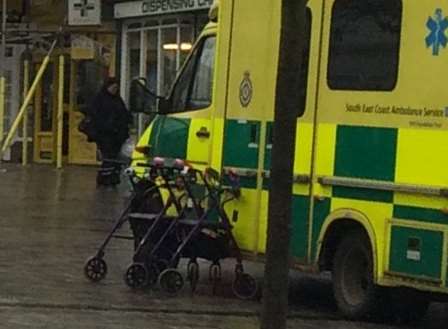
111	120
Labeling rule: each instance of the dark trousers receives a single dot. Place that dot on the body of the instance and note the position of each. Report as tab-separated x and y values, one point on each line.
109	173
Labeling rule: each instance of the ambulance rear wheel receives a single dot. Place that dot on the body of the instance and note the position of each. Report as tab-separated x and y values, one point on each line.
356	294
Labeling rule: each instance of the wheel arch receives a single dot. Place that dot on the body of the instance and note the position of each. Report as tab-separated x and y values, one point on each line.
335	227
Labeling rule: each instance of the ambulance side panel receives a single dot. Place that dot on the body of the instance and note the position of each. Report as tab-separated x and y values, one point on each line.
381	148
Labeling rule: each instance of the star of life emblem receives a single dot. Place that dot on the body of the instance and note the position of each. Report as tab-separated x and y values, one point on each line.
437	26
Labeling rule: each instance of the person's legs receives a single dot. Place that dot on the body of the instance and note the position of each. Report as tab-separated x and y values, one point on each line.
114	153
108	174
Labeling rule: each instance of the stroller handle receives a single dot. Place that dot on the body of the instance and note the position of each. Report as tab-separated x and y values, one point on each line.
172	169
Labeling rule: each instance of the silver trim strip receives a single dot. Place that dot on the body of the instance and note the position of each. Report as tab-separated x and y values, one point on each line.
384	186
252	173
412	278
249	173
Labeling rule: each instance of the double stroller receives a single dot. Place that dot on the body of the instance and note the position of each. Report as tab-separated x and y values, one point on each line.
177	212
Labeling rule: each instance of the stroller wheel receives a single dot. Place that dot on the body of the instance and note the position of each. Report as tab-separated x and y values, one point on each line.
193	275
95	269
239	269
214	272
244	286
136	276
214	276
171	281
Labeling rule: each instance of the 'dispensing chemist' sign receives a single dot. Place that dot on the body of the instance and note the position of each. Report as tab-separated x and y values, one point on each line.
158	7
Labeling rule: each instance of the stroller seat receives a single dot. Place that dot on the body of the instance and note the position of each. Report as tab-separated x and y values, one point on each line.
149	217
142	216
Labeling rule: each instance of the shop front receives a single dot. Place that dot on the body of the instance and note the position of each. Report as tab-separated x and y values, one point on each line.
156	39
84	56
87	62
45	129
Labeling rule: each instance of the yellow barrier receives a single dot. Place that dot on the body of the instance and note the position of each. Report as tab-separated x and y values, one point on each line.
26	82
60	116
27	101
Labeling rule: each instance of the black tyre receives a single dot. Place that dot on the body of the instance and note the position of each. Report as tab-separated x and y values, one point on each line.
171	281
355	292
245	286
136	276
193	275
95	269
214	276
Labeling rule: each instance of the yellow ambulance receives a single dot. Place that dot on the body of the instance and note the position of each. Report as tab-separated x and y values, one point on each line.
370	197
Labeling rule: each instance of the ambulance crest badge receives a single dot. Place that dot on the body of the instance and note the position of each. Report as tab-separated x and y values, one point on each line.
246	90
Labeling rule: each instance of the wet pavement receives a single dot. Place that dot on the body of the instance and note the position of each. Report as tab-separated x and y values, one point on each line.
52	220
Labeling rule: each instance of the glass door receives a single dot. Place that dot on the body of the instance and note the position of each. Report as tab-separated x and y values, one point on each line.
45	100
152	62
85	81
46	109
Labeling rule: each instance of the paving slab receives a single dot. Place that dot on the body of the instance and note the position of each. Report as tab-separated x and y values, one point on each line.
53	220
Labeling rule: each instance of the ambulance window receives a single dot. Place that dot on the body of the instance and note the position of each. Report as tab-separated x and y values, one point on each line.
201	90
364	44
305	59
193	88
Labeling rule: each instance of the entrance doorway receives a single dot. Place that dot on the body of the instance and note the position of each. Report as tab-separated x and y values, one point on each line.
75	147
86	79
45	107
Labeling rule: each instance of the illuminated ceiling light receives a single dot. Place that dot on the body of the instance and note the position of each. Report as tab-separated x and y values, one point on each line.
170	46
186	46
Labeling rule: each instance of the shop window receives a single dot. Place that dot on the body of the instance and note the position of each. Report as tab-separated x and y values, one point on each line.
201	22
364	44
185	22
186	42
169	21
47	100
152	70
67	74
152	23
134	26
133	54
89	81
8	99
9	52
158	51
